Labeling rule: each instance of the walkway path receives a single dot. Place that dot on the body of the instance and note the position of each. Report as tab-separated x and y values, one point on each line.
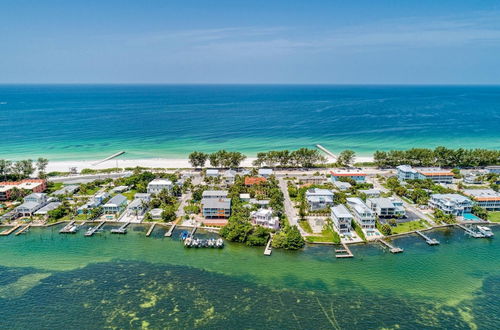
289	209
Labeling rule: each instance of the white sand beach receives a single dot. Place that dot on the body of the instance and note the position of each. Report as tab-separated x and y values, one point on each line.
64	166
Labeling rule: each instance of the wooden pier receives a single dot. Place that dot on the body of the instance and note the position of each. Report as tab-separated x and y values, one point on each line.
326	151
391	247
170	230
66	229
428	240
7	232
121	230
470	232
150	230
268	250
22	230
345	252
93	230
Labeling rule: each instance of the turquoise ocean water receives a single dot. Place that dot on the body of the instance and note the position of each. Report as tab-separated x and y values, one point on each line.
168	121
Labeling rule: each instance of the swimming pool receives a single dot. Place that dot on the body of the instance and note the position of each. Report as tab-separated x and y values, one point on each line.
471	217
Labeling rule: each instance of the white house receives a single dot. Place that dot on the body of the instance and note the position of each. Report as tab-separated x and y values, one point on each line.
319	198
214	194
341	218
386	207
156	213
115	205
245	197
211	172
49	207
371	193
362	213
39	198
355	174
486	198
264	218
158	185
451	203
341	185
27	209
216	207
229	176
265	172
436	174
120	189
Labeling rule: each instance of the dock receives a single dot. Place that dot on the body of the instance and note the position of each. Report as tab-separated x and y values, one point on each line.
170	231
7	232
108	158
22	230
121	230
326	151
150	230
345	252
93	230
66	229
428	240
391	247
470	232
193	231
268	250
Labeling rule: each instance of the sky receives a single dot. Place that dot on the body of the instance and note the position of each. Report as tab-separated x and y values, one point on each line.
252	41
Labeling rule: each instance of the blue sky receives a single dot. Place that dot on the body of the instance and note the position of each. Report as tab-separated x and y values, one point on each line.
328	41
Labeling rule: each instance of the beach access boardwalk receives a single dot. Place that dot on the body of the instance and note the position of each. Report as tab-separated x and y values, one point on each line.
391	247
9	231
345	252
22	230
428	240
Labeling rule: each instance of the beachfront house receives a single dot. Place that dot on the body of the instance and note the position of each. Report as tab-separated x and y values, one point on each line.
486	198
265	172
363	215
436	174
157	185
454	204
341	185
115	205
319	199
355	174
265	218
216	208
387	207
341	218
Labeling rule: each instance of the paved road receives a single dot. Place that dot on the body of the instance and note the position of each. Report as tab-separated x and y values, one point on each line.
289	209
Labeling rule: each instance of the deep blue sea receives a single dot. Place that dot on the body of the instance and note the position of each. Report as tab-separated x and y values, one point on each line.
149	121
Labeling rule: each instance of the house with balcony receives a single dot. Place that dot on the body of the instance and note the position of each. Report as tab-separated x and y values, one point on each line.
265	172
265	218
319	199
355	174
157	185
488	199
436	174
363	215
342	186
229	176
33	185
341	218
386	207
370	193
216	208
454	204
214	194
115	205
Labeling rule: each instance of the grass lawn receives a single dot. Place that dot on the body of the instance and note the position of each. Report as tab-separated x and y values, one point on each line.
494	216
409	226
130	194
327	235
306	226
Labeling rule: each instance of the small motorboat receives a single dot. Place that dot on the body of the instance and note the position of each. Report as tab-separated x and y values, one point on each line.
486	231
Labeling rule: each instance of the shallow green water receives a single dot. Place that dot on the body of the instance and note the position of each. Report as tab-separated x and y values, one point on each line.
48	280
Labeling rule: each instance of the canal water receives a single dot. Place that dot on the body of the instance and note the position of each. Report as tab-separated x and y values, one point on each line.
49	280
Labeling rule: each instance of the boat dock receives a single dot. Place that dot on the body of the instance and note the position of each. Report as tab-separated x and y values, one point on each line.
22	230
470	232
150	230
66	229
268	250
170	231
7	232
345	252
193	231
121	230
391	247
428	240
326	151
93	230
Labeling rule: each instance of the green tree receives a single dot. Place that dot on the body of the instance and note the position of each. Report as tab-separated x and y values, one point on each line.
41	165
168	214
198	159
5	168
346	158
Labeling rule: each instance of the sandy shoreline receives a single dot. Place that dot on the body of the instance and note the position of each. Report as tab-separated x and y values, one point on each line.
64	166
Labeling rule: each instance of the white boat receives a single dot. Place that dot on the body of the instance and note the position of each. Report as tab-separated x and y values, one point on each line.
486	231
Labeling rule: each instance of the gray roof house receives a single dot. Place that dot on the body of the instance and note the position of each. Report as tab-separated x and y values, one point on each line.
115	204
216	207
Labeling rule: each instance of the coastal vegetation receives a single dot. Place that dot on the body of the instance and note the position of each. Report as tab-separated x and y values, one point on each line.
221	158
21	169
440	156
418	191
302	157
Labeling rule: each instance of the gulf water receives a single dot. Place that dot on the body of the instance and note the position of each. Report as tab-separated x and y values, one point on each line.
49	280
64	122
